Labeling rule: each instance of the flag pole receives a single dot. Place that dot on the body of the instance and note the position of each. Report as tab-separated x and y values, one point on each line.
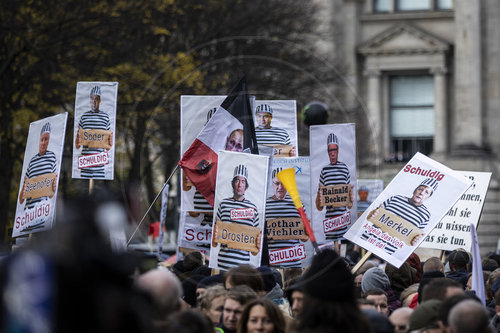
151	206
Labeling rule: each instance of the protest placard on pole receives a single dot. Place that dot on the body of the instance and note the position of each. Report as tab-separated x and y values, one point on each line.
36	204
453	231
333	179
408	209
94	130
276	126
240	199
287	240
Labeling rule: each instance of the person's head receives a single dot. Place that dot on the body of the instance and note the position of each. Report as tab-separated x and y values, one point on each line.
458	260
441	289
187	321
264	115
261	315
400	318
240	182
433	264
278	188
211	302
295	295
234	142
425	317
424	191
468	316
379	299
363	193
95	98
236	299
447	305
497	302
44	139
164	288
333	148
244	275
407	295
375	278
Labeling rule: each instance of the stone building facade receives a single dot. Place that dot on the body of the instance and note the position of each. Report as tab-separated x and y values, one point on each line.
427	73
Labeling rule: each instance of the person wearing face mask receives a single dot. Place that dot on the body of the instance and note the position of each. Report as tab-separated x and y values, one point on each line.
261	316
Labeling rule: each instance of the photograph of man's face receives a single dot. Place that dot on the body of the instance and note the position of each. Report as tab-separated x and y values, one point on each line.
239	186
234	141
421	194
95	100
264	119
44	143
279	189
333	153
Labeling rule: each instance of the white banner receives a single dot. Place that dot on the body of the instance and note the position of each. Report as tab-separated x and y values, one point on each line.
333	163
453	231
241	187
94	130
408	209
36	204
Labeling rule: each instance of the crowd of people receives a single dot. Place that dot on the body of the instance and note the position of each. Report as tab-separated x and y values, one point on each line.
70	280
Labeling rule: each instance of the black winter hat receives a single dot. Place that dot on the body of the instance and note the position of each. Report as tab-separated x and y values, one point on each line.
328	278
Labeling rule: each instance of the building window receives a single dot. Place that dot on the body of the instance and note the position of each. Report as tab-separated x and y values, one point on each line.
410	5
411	115
390	6
382	6
444	4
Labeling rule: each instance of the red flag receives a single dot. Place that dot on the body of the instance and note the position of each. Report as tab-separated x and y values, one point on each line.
230	128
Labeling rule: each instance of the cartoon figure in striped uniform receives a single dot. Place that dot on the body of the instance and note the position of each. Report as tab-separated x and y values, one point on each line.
335	173
267	134
280	205
94	119
410	209
229	257
42	163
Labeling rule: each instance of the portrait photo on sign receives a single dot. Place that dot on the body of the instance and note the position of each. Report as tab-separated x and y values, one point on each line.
333	180
287	239
408	209
276	126
238	221
94	130
36	199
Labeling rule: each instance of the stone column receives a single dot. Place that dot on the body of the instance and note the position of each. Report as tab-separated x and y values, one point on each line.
374	109
468	107
440	111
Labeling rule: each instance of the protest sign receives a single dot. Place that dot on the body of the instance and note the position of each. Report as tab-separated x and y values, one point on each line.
240	199
453	231
408	209
193	232
94	130
333	179
368	190
276	126
284	227
36	204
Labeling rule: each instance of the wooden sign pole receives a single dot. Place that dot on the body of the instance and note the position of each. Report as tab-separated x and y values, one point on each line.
361	262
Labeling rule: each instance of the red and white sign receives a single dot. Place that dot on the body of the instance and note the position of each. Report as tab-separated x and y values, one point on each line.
242	213
87	161
287	254
337	222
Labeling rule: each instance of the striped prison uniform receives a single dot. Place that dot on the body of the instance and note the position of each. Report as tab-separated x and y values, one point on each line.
282	209
335	174
417	215
201	205
272	136
39	165
229	257
94	120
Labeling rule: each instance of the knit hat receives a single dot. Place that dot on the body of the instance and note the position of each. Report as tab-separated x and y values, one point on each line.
458	258
332	139
241	170
430	182
275	172
379	322
375	278
210	281
264	108
363	188
45	128
268	277
328	278
425	315
96	90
